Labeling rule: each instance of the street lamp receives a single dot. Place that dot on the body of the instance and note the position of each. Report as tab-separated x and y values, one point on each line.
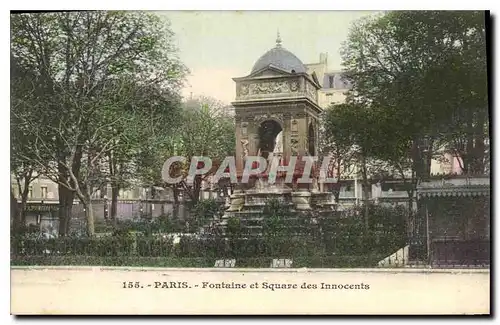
420	238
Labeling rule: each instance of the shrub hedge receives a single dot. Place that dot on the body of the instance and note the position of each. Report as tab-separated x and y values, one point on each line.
193	247
341	240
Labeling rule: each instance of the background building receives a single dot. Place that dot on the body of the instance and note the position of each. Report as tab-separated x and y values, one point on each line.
333	86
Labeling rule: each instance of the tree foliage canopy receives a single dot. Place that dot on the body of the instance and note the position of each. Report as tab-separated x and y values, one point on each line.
92	89
417	75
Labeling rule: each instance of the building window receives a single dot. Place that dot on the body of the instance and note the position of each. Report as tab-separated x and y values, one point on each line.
44	192
30	192
329	94
330	81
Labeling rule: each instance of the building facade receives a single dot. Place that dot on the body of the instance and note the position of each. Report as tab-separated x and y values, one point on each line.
333	85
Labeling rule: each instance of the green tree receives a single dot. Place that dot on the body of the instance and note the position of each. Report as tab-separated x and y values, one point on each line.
418	90
86	67
338	141
350	129
205	212
207	130
157	115
426	72
23	170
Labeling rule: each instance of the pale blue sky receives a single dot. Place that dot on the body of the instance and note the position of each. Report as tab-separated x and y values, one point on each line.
219	45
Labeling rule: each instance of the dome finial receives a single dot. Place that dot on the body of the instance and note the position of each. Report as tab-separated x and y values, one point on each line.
278	39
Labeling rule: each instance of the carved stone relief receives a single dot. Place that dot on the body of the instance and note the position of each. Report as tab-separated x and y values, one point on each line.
306	145
294	86
268	87
243	90
295	126
244	129
262	117
278	116
311	91
244	144
294	145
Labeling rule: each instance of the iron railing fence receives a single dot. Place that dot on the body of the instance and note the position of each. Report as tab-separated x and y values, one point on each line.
300	250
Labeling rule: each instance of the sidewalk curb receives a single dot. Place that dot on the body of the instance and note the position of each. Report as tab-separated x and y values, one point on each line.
250	270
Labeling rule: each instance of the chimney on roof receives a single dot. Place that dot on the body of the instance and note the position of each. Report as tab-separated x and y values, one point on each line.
323	58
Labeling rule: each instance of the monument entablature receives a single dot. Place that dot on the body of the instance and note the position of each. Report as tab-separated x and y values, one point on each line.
276	87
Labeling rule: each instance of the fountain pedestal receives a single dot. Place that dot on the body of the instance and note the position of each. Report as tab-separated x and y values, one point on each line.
248	203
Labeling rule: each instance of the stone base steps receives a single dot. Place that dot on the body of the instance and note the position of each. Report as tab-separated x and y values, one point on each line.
397	259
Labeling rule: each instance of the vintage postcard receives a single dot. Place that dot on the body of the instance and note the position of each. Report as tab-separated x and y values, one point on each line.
250	162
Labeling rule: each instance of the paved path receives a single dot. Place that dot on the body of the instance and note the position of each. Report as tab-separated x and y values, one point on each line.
87	290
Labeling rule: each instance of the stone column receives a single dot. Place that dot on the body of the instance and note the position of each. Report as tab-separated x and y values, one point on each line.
292	145
286	135
253	138
316	130
239	146
302	134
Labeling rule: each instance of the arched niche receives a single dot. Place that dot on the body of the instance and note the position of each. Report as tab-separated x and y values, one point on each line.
268	131
311	139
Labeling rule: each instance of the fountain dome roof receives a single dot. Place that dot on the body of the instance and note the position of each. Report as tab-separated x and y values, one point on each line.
281	58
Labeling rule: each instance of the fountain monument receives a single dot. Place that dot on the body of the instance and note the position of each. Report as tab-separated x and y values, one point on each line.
276	115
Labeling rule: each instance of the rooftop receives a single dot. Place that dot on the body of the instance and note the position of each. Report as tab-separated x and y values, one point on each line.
281	58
